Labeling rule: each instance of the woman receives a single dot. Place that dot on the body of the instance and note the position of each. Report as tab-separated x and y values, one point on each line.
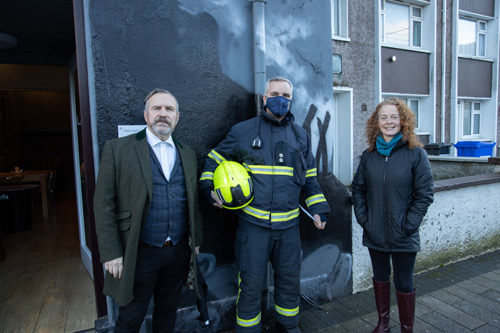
392	190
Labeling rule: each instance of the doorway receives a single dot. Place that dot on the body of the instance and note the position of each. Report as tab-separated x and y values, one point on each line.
43	266
46	279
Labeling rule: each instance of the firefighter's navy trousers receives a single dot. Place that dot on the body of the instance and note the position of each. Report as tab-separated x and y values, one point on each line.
254	246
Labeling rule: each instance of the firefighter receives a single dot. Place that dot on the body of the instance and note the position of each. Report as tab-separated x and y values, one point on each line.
276	152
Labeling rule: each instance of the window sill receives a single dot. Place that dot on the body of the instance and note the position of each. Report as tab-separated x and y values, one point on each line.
462	182
401	96
449	158
475	15
463	56
422	3
341	39
472	138
405	48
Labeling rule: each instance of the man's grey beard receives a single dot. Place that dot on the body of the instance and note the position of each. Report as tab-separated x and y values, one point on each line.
161	130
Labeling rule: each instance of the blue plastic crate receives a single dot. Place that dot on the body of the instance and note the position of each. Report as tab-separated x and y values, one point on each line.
474	148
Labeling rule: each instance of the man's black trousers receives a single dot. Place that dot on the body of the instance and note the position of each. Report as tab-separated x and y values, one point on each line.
160	272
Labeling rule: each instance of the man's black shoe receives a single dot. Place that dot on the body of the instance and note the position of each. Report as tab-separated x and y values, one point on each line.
204	323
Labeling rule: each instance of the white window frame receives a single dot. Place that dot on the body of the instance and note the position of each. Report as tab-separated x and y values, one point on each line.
416	112
343	19
474	112
480	53
414	19
382	21
481	32
411	20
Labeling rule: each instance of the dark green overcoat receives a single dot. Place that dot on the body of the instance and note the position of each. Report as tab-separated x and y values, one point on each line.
122	201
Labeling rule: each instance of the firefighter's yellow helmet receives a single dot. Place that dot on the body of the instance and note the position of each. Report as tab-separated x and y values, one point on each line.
233	185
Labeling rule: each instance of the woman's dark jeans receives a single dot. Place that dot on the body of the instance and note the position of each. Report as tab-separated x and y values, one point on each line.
403	264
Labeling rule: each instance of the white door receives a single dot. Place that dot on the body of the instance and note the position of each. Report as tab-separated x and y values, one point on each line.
343	150
84	238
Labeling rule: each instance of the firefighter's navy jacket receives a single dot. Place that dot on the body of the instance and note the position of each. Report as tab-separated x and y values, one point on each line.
282	169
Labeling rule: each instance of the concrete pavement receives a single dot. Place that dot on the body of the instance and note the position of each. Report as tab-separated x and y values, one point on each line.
460	297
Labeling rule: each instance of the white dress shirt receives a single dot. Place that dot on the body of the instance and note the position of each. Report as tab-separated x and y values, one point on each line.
165	151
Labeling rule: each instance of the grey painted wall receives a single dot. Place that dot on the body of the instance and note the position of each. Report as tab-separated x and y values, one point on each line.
483	7
439	71
474	78
202	52
409	74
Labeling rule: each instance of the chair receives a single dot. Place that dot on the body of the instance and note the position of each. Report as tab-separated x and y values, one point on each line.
51	181
2	249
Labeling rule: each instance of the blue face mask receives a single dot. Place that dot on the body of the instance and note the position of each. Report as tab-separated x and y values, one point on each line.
278	105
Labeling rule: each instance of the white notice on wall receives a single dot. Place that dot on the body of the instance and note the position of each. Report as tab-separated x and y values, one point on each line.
124	130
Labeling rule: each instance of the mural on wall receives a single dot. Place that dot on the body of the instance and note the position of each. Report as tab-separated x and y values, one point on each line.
202	52
289	35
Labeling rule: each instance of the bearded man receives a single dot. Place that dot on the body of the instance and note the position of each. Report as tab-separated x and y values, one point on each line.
147	218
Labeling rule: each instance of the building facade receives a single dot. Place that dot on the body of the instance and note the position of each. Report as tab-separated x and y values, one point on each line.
441	57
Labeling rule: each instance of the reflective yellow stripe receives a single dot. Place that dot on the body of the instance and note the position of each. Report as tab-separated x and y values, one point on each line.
281	217
239	288
248	322
216	156
312	172
275	217
286	312
260	214
207	176
245	322
270	170
315	199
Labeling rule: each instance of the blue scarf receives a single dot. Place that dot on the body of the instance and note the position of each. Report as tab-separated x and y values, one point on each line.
385	148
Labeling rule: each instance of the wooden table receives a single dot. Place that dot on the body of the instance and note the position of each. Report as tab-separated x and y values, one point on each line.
32	176
16	210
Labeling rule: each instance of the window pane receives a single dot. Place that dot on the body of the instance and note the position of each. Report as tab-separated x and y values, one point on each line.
337	63
336	17
397	25
482	26
467	118
417	33
417	12
477	123
477	106
482	45
413	104
382	24
467	37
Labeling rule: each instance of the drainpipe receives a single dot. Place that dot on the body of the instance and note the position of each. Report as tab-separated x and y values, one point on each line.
259	76
443	74
259	51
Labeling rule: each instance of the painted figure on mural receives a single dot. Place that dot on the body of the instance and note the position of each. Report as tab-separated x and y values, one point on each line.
147	218
392	190
277	154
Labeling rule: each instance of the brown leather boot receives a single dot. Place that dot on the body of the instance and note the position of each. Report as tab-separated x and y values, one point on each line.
406	307
383	301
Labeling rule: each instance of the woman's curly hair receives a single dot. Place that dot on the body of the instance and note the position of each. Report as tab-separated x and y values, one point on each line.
407	120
